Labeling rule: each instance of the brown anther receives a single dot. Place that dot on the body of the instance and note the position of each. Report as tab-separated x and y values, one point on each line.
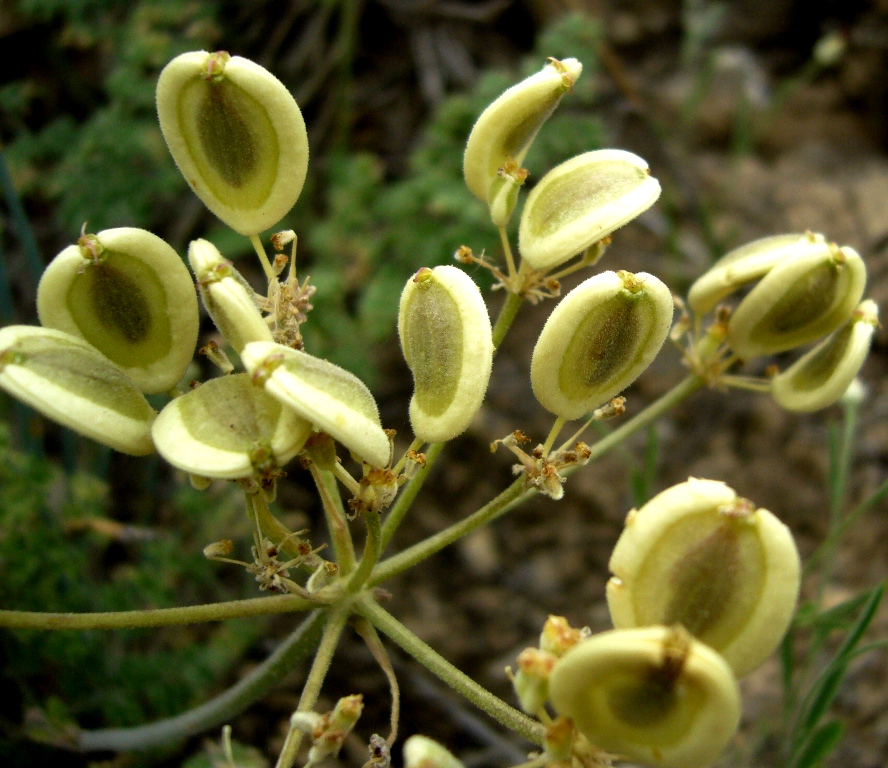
520	437
464	255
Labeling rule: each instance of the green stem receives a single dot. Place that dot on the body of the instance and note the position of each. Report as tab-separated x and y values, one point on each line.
508	716
216	711
159	617
506	317
343	547
263	258
507	250
312	689
408	494
372	550
366	630
516	493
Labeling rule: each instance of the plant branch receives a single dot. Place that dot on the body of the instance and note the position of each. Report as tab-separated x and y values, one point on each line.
158	617
372	549
263	258
408	494
365	629
506	317
312	689
343	547
508	716
216	711
516	493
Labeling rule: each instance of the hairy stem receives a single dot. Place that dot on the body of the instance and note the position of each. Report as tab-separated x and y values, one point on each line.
365	629
372	549
508	716
506	317
158	617
312	688
408	494
516	493
216	711
343	547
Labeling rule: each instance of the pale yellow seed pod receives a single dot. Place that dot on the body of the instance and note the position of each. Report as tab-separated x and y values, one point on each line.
127	293
699	556
332	399
507	128
655	695
582	201
423	752
227	428
598	340
71	382
748	263
823	375
447	342
237	136
797	302
228	298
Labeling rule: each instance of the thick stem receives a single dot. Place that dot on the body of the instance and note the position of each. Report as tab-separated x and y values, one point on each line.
343	547
506	317
508	716
408	494
372	550
159	617
312	688
515	493
216	711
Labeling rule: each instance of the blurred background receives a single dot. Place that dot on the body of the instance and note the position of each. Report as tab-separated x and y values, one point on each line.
757	116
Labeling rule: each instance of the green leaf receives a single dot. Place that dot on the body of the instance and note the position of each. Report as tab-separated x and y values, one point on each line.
822	742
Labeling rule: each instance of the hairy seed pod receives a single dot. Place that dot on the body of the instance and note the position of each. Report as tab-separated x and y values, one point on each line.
699	556
598	340
507	128
823	375
446	339
423	752
237	136
797	302
332	399
71	382
128	294
748	263
227	428
582	201
655	695
228	298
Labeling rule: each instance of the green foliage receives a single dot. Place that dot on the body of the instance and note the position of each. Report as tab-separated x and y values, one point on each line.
112	168
60	552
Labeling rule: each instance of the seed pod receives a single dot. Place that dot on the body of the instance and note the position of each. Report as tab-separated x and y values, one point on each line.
797	302
227	428
70	382
507	128
824	374
237	136
655	695
332	399
699	556
751	262
581	201
598	340
423	752
127	293
446	339
228	298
